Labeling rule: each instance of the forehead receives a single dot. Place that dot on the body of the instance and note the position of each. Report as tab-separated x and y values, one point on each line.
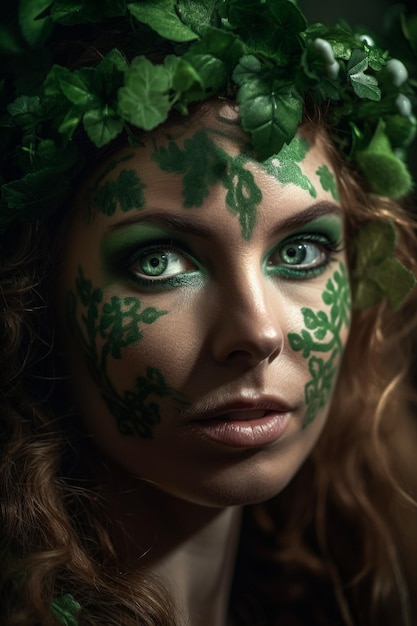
184	164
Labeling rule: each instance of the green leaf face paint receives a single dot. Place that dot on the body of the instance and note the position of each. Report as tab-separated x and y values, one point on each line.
124	193
322	335
285	165
204	164
116	325
328	181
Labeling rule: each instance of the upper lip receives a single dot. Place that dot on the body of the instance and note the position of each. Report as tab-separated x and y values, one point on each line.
252	403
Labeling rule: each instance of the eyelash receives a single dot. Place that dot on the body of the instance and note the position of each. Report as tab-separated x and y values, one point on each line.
329	246
168	245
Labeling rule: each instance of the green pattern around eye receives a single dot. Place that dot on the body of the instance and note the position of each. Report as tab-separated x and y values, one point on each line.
203	164
322	334
118	322
125	193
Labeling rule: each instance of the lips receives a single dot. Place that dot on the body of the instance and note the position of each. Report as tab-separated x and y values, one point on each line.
243	423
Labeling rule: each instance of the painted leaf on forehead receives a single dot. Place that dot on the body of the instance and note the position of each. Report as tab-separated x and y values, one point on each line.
328	181
126	192
162	17
285	165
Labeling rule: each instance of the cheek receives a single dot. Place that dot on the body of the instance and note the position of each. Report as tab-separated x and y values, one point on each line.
321	342
109	331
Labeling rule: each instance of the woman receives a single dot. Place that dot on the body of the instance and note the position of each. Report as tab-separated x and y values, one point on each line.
197	427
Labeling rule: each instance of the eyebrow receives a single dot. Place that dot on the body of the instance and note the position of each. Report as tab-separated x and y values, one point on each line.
189	225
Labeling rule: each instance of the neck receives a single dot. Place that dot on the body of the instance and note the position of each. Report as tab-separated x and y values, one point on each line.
189	547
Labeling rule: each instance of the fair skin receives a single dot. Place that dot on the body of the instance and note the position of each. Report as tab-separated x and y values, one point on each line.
187	312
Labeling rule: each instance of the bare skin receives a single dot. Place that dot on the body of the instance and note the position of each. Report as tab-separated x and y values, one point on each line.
189	359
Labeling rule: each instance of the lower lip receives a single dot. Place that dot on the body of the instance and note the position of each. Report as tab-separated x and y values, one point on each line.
244	434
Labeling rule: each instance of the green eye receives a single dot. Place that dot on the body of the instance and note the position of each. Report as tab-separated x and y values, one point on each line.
301	254
161	264
154	264
304	256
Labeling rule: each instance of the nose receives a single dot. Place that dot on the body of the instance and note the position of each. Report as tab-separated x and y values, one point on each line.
248	329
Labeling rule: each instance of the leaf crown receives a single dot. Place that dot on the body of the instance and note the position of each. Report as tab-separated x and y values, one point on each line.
261	52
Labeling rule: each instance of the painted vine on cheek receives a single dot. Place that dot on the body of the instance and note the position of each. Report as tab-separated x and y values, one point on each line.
204	164
322	334
118	322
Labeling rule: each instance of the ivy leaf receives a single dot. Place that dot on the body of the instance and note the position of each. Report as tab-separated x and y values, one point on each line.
144	99
269	29
34	196
197	15
364	85
161	16
102	125
26	112
69	12
35	29
215	56
378	273
65	610
270	112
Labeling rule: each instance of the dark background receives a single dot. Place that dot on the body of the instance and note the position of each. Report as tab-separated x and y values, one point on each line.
369	13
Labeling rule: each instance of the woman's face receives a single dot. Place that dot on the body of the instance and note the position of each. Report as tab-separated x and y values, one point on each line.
206	309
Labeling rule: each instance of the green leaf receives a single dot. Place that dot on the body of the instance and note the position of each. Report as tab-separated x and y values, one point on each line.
197	15
78	88
144	99
65	610
161	16
393	279
34	196
71	12
358	62
102	125
375	242
365	86
26	112
215	56
34	28
270	112
111	70
269	29
377	272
